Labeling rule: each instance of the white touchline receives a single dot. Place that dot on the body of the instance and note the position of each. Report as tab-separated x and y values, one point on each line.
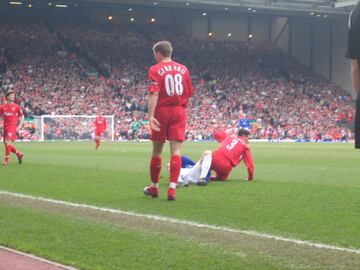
42	260
186	222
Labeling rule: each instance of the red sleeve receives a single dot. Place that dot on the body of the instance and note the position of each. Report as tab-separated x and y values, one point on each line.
220	135
20	112
1	110
154	84
249	163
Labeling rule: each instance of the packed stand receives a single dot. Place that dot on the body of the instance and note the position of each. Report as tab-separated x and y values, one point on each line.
82	70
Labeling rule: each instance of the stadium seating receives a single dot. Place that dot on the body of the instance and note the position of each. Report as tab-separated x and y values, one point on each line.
82	69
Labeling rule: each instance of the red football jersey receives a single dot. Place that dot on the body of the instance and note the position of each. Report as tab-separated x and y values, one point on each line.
11	113
235	150
173	83
100	123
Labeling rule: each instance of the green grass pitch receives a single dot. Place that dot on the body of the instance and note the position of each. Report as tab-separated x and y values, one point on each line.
303	191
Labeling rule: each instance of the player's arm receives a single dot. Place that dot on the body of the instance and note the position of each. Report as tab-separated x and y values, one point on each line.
355	74
154	123
154	90
220	135
353	48
249	163
21	117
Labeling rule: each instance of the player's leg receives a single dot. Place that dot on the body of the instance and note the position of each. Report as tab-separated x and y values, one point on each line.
190	175
158	139
97	143
97	140
184	179
205	161
184	171
221	166
10	148
19	154
187	162
155	169
7	153
176	136
199	172
156	162
136	135
186	166
175	167
9	136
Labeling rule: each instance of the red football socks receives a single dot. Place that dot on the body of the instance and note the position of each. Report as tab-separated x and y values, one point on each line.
155	169
175	167
8	148
97	141
13	149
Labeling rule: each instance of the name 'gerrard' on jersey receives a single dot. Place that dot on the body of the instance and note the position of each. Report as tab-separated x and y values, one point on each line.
173	83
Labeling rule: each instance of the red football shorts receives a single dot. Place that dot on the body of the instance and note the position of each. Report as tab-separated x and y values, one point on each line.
99	133
173	124
10	133
221	166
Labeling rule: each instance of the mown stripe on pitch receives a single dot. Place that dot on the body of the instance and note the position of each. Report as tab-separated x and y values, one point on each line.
186	222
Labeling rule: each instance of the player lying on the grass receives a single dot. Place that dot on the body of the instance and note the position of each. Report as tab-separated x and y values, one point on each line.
195	172
233	149
11	113
100	126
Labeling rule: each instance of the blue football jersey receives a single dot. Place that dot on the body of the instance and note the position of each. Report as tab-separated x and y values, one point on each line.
244	123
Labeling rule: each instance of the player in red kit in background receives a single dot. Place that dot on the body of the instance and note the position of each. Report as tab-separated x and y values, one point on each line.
233	149
100	126
170	88
11	113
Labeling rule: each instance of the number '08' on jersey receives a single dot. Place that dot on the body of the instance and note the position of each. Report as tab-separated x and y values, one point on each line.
173	83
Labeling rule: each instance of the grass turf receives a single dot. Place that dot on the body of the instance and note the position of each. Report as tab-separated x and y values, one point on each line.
306	191
100	246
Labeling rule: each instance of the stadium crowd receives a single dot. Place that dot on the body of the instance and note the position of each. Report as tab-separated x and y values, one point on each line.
86	69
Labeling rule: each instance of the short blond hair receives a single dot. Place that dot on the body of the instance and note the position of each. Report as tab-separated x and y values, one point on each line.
164	47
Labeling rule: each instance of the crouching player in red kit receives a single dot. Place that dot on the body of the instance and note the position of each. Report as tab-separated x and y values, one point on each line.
11	113
100	126
233	149
170	89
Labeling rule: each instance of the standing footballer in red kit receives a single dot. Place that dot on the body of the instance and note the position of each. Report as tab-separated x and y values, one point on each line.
100	126
170	88
11	113
233	149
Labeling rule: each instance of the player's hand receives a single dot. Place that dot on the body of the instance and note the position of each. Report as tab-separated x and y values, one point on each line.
154	124
19	127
